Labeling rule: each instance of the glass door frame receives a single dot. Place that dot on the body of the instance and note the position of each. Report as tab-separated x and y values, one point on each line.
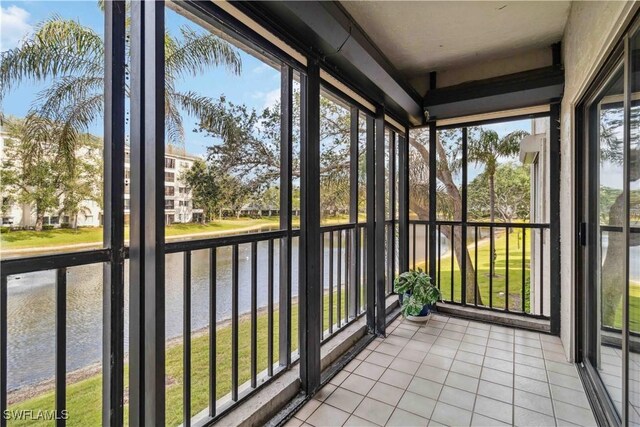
587	235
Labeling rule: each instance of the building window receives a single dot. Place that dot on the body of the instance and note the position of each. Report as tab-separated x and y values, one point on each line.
169	176
183	190
184	203
169	204
169	163
185	165
169	190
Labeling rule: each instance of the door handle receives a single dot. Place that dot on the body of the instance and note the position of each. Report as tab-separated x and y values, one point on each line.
582	234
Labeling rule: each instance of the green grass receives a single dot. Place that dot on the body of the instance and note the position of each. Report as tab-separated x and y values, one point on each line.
25	239
634	309
498	287
84	398
59	237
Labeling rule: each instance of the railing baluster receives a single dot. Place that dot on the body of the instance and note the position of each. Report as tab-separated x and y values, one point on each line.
331	282
234	323
475	270
270	309
426	248
491	249
186	336
356	266
506	274
212	331
339	283
322	276
524	240
413	244
451	250
254	313
61	345
3	349
347	273
540	280
439	271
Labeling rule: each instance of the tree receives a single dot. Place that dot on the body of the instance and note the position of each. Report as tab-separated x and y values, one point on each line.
28	171
205	192
448	197
234	192
486	147
512	188
69	58
79	184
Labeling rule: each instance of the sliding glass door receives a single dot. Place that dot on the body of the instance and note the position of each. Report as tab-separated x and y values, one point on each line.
610	236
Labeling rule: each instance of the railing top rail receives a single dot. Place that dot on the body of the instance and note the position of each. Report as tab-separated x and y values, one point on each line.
337	227
14	266
482	224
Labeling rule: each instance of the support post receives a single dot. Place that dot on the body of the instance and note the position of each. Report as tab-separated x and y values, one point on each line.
380	223
147	338
113	236
463	226
391	235
403	205
433	236
371	225
286	154
310	284
354	243
554	220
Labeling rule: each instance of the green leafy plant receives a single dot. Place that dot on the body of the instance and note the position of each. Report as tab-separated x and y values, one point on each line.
417	291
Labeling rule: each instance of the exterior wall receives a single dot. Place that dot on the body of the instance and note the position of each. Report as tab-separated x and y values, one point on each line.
591	31
182	210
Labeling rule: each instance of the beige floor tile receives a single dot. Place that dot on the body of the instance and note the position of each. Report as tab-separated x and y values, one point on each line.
327	415
402	418
374	411
358	384
386	393
456	397
494	409
396	378
344	399
450	415
417	404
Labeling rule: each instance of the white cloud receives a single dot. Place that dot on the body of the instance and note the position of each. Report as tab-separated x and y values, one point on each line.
269	99
13	26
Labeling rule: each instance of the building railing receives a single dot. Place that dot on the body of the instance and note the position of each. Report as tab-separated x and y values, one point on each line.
508	261
344	301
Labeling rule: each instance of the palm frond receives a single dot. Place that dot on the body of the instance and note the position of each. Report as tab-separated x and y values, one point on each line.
68	91
212	115
58	47
195	52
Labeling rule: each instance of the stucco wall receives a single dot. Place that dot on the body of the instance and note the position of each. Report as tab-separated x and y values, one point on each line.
591	31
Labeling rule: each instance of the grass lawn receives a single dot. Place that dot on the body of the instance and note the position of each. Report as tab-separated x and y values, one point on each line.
24	239
514	270
60	237
634	309
84	398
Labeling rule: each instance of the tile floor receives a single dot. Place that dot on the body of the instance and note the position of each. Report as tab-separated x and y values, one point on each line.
453	372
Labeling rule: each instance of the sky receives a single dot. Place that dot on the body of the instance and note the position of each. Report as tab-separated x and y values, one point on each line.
258	86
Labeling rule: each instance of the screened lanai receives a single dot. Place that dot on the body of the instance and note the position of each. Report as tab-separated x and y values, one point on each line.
206	207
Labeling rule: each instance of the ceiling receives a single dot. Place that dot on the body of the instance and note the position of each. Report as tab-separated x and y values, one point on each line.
419	37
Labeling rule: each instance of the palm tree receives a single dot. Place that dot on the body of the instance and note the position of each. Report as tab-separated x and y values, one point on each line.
487	149
69	58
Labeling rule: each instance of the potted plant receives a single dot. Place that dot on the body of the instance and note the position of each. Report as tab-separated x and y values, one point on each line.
417	295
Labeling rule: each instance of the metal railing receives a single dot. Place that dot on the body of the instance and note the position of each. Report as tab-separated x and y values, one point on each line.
505	262
343	270
344	301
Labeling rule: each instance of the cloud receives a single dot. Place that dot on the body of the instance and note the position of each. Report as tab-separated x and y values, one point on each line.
261	68
13	26
269	99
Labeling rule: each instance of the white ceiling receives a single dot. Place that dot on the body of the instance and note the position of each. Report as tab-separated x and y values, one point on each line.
422	36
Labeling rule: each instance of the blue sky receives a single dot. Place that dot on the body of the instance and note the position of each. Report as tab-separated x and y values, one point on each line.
257	87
